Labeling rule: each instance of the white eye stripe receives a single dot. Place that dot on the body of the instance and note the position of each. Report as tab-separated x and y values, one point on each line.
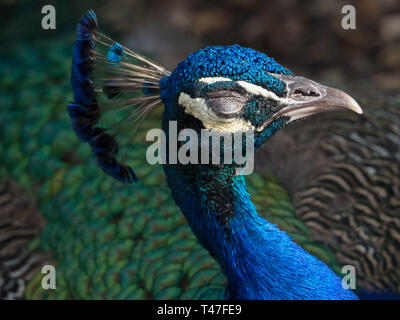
210	80
250	88
260	91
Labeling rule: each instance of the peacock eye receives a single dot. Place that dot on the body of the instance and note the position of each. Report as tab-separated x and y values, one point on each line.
225	103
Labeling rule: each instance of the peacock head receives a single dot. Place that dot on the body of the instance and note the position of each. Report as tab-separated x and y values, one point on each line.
232	88
225	89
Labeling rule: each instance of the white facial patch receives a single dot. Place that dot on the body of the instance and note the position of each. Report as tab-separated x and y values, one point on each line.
210	80
198	108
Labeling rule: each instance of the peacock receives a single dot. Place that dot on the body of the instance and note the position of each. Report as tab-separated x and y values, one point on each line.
227	89
115	241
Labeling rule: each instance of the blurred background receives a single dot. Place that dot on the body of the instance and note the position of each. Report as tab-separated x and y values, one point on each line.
56	207
305	36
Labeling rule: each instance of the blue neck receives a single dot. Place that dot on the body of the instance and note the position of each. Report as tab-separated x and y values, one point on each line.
259	260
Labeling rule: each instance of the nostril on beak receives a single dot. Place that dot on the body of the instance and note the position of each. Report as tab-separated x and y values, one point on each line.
306	93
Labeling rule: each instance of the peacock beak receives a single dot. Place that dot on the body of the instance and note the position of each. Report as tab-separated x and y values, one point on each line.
306	97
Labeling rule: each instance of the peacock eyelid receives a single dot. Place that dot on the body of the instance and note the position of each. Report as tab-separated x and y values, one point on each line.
225	103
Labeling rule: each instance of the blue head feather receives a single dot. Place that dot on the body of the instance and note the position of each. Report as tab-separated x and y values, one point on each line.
234	62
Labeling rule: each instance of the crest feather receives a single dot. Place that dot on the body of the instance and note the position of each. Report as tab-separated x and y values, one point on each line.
112	82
